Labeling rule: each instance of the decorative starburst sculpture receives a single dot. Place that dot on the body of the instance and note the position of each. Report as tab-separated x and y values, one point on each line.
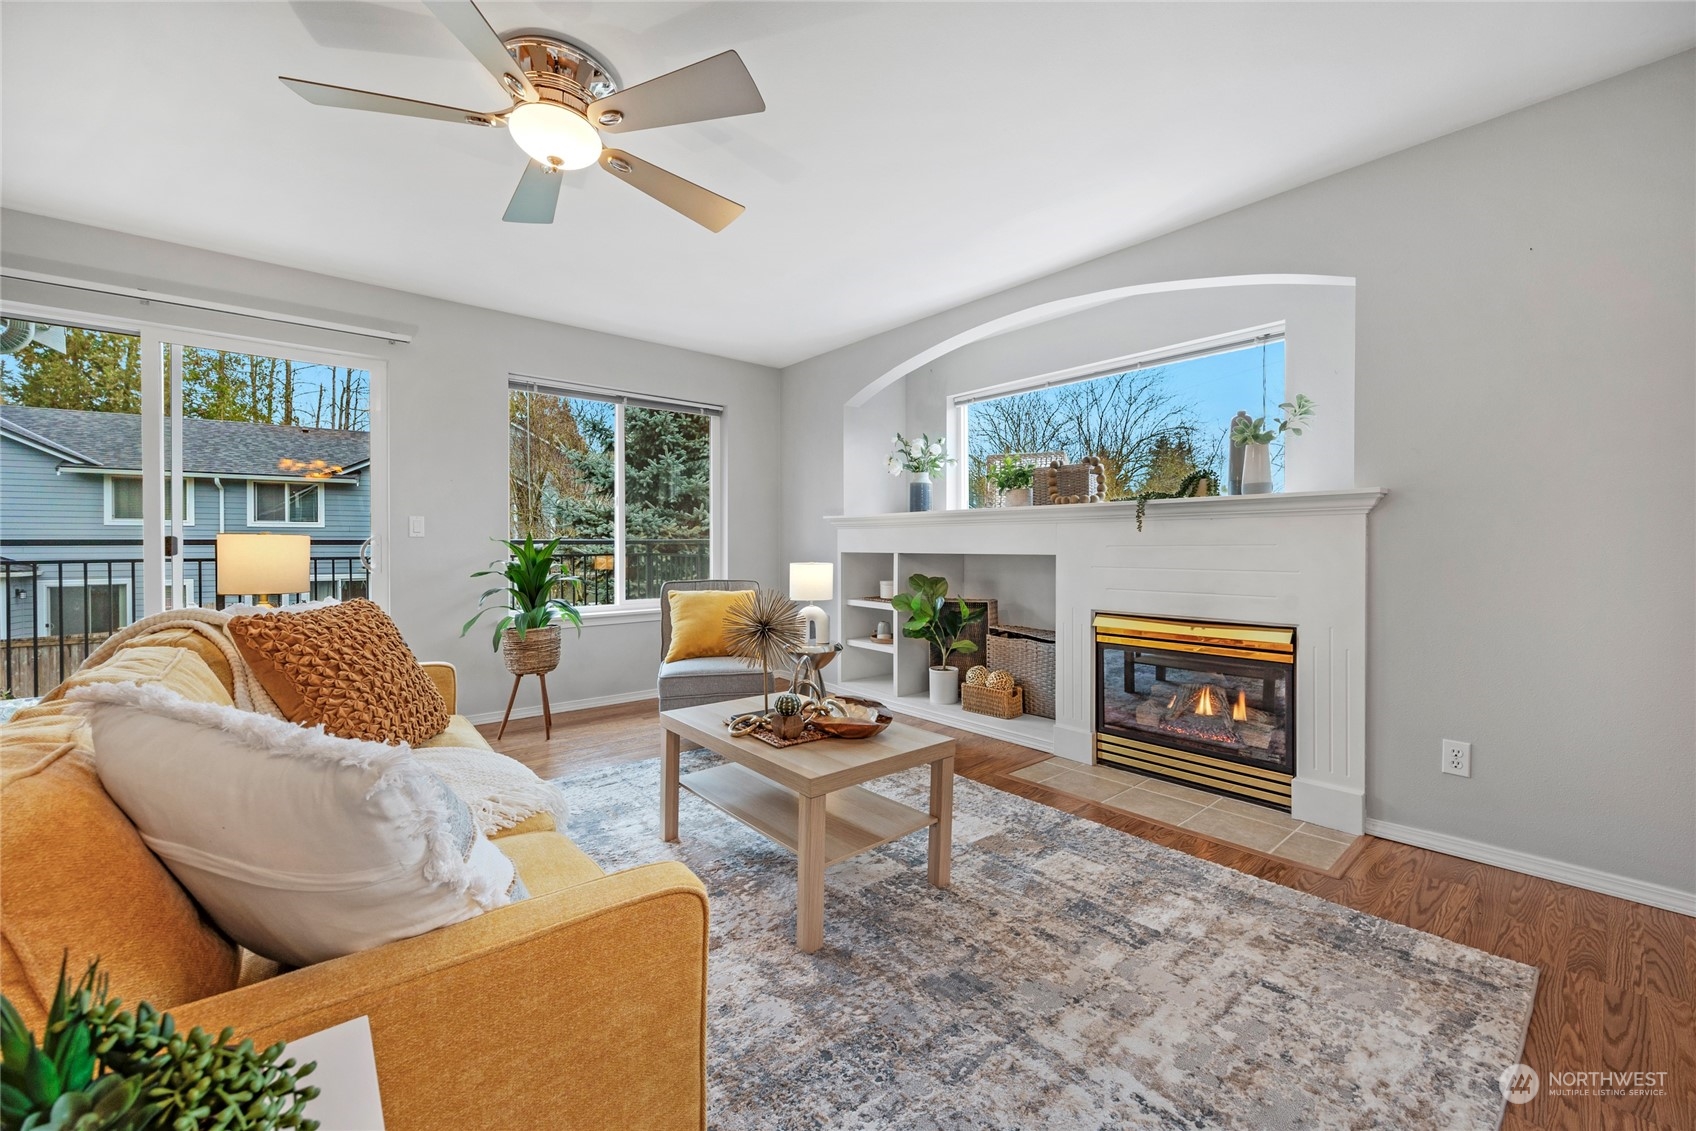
762	630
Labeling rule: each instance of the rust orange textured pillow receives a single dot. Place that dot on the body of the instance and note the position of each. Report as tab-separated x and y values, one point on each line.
344	666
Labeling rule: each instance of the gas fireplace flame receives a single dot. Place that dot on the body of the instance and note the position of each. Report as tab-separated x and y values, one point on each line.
1204	702
1239	709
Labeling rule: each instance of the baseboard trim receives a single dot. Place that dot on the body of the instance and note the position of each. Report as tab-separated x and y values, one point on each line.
534	711
1590	879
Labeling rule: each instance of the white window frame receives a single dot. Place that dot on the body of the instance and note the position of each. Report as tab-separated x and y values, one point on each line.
253	508
957	485
44	605
110	511
645	608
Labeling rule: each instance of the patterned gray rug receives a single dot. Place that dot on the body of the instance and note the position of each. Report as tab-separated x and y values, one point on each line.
1075	977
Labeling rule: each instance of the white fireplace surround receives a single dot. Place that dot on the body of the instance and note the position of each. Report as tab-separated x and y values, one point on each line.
1282	559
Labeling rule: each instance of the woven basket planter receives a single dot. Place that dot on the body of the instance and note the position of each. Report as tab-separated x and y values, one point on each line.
996	704
536	654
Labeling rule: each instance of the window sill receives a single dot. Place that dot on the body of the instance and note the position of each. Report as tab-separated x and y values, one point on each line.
592	617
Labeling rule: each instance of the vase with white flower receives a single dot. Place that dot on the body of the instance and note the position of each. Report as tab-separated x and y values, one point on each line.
919	459
1256	439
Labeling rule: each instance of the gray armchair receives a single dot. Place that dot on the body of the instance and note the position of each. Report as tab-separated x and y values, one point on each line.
705	679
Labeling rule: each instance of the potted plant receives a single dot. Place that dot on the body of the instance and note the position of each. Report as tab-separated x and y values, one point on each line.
933	618
1256	439
527	634
1012	481
921	458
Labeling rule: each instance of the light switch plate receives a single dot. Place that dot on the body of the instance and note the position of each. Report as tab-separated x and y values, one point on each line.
415	526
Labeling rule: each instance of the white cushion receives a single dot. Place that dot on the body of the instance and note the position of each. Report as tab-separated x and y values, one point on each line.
300	845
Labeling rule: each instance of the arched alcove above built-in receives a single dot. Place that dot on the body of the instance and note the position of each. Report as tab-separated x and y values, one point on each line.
1093	333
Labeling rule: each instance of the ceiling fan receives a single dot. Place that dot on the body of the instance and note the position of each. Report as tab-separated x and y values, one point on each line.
563	99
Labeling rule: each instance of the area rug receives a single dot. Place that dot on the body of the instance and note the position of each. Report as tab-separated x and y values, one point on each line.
1074	977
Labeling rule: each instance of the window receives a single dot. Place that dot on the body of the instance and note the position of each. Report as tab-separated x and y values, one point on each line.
627	482
1151	424
285	504
73	608
123	501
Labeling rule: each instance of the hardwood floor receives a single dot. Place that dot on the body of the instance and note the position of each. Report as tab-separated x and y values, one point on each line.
1618	980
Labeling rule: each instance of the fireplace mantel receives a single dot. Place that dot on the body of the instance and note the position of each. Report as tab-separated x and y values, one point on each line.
1295	559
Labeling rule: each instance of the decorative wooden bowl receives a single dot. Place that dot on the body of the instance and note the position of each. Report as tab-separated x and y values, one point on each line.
854	728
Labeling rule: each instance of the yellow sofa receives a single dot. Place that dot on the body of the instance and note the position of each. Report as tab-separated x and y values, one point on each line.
583	1006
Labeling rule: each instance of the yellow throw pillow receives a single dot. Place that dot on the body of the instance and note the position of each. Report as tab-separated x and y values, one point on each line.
179	669
697	621
344	666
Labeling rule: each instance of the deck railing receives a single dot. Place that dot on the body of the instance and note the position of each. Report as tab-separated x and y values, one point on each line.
56	611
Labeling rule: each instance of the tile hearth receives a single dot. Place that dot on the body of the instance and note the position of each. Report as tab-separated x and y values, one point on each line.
1225	819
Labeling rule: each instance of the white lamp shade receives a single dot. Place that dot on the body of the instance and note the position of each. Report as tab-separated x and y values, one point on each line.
264	563
812	581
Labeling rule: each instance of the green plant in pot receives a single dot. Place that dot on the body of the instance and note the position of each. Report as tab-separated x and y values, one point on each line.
939	621
1012	480
1256	438
530	608
100	1067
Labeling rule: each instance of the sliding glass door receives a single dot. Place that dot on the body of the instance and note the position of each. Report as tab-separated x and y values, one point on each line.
126	452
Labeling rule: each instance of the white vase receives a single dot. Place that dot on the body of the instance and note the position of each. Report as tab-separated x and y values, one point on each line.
944	686
1016	497
1257	469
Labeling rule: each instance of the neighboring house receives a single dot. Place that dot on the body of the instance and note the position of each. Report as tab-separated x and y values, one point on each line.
70	489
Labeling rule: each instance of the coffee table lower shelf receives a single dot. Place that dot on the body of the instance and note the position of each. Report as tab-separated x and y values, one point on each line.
856	819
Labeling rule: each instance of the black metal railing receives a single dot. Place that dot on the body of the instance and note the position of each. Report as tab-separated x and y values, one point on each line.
59	610
649	564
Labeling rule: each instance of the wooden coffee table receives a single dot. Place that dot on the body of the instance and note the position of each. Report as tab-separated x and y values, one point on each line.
808	797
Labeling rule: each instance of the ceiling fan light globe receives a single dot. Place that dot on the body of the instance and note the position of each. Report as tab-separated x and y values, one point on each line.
554	136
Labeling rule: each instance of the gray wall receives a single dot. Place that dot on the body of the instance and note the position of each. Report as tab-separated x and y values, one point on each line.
1525	388
446	419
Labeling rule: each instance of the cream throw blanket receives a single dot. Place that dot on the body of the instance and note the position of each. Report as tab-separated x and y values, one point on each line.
500	791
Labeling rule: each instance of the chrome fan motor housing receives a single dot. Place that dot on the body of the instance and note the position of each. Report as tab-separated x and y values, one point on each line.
561	71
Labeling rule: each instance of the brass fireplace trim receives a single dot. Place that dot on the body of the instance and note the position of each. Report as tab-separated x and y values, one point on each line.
1241	641
1253	782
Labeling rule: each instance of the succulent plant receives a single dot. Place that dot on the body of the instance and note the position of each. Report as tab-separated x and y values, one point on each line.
155	1078
787	704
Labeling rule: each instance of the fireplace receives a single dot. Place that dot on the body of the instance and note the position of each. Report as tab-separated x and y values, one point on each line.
1206	704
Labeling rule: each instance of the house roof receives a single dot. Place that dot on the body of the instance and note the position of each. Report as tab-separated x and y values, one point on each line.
210	447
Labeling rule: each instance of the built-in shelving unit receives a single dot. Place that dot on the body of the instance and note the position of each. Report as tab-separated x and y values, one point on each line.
896	672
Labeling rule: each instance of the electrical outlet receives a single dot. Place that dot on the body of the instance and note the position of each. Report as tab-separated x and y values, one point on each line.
1457	758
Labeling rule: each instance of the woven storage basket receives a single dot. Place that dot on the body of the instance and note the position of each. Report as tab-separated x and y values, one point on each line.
1080	479
996	704
536	654
977	633
1029	654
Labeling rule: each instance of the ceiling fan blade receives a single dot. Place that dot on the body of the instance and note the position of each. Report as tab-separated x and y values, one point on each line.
720	87
323	94
471	28
536	197
708	209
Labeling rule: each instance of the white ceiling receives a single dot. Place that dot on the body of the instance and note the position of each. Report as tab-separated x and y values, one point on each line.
912	156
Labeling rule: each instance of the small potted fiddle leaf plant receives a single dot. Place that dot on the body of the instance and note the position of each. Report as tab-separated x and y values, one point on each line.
527	633
940	622
1256	439
1012	481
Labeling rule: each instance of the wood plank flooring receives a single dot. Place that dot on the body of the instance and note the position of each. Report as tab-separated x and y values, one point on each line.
1618	985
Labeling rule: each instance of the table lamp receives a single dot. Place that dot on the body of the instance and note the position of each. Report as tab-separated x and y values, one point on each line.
262	564
813	581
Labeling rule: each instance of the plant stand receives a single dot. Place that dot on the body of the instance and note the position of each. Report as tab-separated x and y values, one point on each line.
547	712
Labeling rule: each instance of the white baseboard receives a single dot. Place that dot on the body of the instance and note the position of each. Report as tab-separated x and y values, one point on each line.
1590	879
534	711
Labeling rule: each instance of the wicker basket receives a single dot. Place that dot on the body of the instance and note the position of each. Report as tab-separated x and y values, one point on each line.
1059	482
536	654
1029	654
995	704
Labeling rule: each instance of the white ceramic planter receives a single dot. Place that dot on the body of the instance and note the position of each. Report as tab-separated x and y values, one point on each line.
1257	469
1016	497
944	686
